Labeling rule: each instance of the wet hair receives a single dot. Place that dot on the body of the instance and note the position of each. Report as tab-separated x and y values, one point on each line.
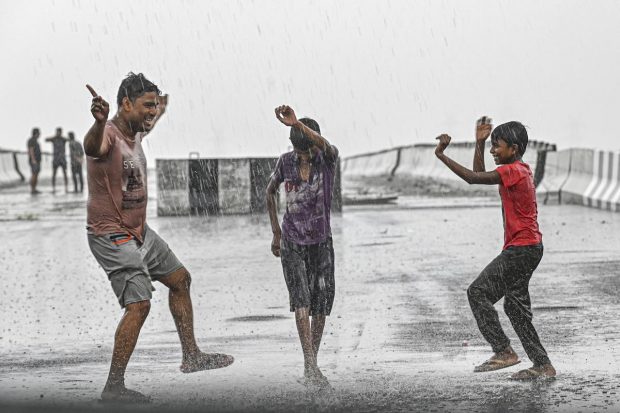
297	137
513	133
134	86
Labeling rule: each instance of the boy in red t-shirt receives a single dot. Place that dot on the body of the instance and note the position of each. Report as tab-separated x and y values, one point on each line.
509	274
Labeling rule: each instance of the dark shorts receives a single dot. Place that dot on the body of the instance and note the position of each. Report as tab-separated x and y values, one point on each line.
62	162
309	275
35	168
132	266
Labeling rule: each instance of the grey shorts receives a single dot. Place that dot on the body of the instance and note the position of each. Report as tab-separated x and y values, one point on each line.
132	266
309	275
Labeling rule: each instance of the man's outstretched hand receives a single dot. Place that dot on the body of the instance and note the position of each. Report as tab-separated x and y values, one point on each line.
99	107
286	115
444	141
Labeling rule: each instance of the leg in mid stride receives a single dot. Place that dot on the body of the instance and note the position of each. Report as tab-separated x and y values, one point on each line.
131	253
509	274
304	242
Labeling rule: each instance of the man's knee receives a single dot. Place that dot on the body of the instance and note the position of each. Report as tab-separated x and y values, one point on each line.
140	308
181	280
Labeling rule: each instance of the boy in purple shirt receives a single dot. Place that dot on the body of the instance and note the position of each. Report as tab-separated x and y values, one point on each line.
304	243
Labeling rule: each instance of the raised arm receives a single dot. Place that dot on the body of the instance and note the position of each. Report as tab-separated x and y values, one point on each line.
483	130
286	115
94	143
272	189
469	176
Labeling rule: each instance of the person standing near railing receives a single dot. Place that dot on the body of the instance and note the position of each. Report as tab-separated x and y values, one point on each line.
77	159
34	159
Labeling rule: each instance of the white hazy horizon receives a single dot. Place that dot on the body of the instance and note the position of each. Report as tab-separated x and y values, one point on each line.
374	74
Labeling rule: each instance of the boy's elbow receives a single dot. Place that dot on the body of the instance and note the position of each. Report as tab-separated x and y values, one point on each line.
471	179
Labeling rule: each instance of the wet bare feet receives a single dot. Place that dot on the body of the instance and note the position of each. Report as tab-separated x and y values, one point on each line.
315	378
206	361
500	360
118	393
544	372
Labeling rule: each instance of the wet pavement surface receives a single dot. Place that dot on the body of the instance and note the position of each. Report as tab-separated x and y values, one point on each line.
401	336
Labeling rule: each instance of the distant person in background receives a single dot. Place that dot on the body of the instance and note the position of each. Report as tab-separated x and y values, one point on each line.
129	251
59	157
304	243
77	159
509	274
34	159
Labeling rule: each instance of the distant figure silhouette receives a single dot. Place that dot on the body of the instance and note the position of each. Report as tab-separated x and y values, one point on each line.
59	157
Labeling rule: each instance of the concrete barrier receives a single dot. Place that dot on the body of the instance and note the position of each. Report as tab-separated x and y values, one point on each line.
608	198
583	176
372	164
556	171
172	187
603	189
260	173
580	178
218	186
420	160
234	186
601	178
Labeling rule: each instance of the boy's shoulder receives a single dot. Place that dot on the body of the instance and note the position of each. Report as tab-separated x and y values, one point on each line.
515	166
286	157
512	173
288	154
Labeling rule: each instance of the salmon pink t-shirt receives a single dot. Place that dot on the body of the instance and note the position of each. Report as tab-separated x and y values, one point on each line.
519	206
117	187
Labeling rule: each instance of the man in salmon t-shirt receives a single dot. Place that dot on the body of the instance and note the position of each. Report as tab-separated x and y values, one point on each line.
508	275
130	252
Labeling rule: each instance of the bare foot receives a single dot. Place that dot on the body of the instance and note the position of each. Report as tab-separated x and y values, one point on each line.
315	378
206	361
120	394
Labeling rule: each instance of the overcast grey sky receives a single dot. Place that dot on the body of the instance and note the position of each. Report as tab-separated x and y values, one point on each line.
375	74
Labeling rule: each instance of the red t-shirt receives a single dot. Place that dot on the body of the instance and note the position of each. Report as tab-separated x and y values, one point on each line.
519	205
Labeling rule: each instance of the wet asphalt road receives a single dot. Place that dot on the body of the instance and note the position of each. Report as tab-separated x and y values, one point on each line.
401	336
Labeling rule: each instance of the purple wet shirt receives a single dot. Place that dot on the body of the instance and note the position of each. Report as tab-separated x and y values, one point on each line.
308	204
